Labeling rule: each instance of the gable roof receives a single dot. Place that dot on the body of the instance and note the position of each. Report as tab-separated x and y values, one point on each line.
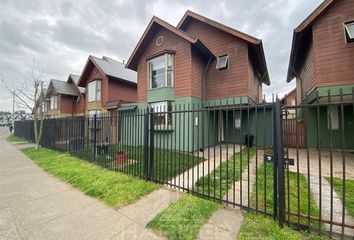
73	78
61	87
253	42
110	68
155	21
299	36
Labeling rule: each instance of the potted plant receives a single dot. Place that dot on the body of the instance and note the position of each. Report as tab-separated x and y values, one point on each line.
121	157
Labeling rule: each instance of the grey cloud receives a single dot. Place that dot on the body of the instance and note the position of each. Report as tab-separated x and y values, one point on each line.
60	34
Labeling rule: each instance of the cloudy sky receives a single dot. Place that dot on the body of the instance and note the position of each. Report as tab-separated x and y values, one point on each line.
59	35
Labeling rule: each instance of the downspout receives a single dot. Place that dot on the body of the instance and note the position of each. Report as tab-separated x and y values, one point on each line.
203	97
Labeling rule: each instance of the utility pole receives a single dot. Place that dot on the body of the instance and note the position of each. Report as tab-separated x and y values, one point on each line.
13	109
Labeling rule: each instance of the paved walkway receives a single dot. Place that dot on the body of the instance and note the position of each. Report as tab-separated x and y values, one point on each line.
326	205
215	154
35	205
241	191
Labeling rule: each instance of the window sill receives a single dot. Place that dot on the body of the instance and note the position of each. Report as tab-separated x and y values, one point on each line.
157	88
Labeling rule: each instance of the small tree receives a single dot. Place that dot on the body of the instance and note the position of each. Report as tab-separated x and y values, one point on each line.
29	94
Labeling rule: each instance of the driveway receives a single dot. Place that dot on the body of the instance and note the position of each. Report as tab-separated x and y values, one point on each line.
325	159
35	205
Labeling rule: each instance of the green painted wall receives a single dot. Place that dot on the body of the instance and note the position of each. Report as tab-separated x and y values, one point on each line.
311	119
193	130
161	94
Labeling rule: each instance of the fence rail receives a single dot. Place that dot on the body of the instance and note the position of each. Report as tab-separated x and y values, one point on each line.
251	156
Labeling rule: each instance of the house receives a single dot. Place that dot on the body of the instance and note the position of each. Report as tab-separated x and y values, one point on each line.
321	62
108	84
200	64
64	99
289	99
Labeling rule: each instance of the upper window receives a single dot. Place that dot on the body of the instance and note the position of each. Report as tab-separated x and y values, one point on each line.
349	31
53	102
163	115
161	71
94	91
223	62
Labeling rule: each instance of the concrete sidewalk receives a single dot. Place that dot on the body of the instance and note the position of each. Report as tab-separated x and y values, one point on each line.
35	205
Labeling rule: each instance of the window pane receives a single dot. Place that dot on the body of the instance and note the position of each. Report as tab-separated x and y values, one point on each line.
222	62
91	91
98	92
157	71
350	29
333	118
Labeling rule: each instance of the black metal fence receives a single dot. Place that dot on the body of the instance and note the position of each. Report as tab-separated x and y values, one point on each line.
239	155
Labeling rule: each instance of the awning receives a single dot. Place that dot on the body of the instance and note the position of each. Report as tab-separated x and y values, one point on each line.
128	108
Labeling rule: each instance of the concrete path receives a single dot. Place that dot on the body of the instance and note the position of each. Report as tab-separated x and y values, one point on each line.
224	224
326	205
35	205
146	209
215	154
245	184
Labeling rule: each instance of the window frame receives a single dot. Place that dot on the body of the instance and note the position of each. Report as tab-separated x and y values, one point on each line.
226	63
348	39
165	56
333	115
97	89
165	107
54	102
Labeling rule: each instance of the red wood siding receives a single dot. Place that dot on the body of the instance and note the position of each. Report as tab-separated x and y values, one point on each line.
253	84
66	104
121	91
233	81
80	106
307	75
182	63
333	57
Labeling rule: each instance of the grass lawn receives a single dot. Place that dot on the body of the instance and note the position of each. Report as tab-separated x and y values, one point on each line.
13	138
349	192
265	228
115	189
183	219
219	181
265	172
167	163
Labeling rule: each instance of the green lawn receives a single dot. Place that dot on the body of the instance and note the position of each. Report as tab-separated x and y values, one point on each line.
265	173
183	219
13	138
219	181
115	189
265	228
167	163
349	192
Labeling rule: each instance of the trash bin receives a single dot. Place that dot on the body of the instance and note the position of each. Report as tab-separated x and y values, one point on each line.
249	140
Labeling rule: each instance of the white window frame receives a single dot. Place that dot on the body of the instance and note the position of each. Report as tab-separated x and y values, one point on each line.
333	117
97	84
237	120
226	65
91	114
348	35
162	107
54	102
165	56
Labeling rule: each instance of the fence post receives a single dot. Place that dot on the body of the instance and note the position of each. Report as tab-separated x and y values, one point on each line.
279	158
151	145
146	142
94	136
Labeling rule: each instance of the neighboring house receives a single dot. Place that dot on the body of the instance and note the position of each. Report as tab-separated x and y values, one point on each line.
108	85
322	62
289	99
64	98
200	63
